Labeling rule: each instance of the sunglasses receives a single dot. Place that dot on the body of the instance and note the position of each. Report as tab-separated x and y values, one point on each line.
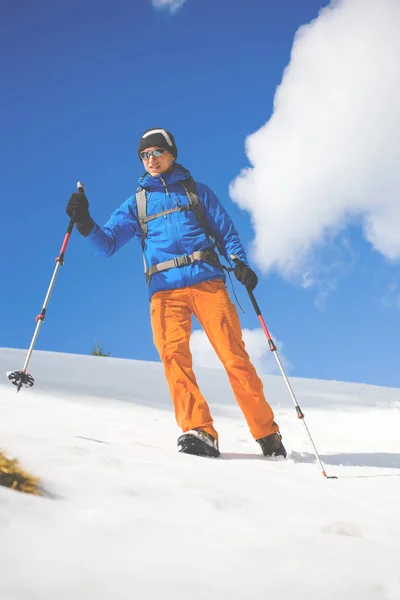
145	155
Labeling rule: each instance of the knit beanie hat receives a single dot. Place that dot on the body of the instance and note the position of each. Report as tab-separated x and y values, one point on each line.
160	138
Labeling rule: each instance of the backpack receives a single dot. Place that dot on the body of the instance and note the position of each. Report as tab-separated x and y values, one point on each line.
208	255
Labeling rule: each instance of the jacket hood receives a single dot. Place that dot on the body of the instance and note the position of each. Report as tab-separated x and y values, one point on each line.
178	173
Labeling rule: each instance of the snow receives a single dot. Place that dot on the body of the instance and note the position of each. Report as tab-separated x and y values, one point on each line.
125	516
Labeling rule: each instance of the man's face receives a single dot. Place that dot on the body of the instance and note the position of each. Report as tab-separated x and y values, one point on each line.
157	165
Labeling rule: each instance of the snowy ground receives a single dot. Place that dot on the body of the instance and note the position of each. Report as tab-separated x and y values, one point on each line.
125	516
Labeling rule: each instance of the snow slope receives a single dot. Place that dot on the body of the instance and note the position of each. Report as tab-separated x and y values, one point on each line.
125	516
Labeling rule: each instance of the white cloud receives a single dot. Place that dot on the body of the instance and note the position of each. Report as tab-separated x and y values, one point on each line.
171	5
329	154
256	345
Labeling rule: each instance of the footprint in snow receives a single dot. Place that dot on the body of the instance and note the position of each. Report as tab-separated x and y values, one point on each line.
341	528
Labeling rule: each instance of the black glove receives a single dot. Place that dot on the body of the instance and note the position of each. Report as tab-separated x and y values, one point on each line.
78	210
245	275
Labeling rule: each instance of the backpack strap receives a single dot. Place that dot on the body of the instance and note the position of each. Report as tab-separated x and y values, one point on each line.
189	186
208	255
145	220
141	203
193	196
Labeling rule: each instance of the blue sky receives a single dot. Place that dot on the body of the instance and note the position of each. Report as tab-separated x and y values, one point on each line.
82	80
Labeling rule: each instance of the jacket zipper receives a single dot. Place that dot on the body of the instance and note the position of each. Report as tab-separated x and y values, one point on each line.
174	228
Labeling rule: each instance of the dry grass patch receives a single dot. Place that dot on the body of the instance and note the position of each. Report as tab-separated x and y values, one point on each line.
14	477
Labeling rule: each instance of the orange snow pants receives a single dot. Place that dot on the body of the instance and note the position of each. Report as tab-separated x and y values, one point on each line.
171	320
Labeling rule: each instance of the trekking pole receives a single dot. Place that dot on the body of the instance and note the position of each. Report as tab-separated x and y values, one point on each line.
22	378
273	349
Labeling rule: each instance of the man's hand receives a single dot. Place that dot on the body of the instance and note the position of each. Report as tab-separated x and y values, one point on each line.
245	275
78	210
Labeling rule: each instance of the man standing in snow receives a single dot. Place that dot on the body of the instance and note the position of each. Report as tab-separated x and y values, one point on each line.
179	223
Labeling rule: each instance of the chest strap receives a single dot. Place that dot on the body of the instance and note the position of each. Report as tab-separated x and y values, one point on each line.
144	220
208	256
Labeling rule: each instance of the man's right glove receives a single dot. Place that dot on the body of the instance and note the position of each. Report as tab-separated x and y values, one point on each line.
245	275
78	210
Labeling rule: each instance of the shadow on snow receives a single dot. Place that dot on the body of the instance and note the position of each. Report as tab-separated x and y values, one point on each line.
383	460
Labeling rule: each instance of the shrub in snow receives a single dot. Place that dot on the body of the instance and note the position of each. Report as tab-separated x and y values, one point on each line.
12	476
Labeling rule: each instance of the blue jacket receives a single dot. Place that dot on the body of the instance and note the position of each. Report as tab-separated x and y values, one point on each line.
172	235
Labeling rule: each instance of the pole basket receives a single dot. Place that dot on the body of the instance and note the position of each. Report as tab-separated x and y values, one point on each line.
20	378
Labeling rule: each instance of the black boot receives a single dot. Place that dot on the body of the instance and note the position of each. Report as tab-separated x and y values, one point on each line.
271	445
198	442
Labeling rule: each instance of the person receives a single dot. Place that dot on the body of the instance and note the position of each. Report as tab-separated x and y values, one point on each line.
185	277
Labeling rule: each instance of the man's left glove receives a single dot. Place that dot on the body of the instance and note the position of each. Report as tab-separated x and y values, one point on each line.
245	275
